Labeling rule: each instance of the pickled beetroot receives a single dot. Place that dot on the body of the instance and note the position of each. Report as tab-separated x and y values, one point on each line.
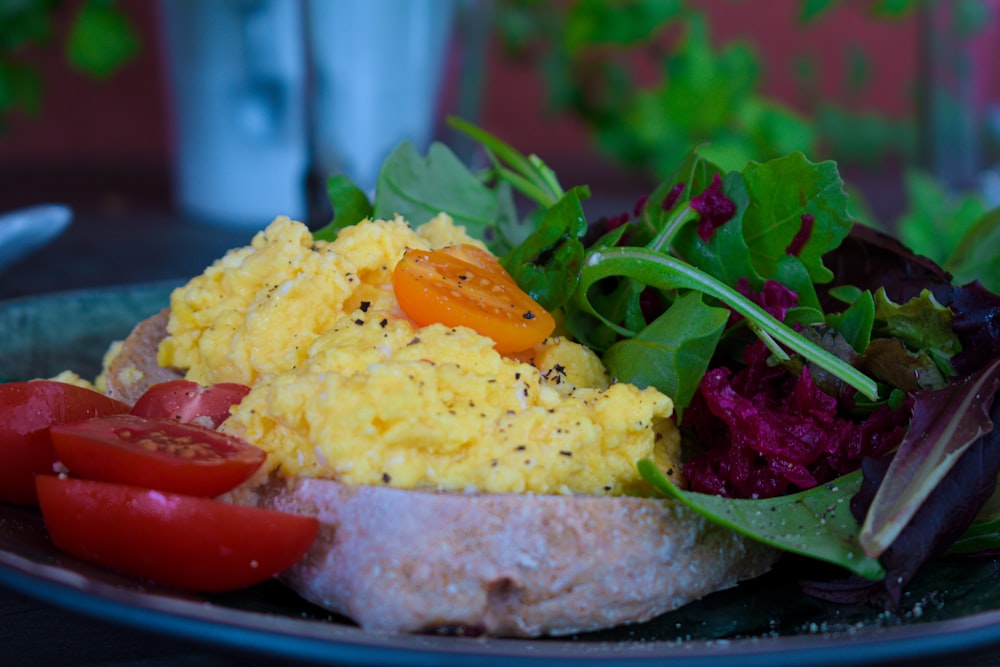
765	431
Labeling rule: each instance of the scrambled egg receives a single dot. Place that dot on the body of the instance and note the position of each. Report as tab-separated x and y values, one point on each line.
345	386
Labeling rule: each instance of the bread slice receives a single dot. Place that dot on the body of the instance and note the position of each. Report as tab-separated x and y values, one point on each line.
518	565
521	565
135	368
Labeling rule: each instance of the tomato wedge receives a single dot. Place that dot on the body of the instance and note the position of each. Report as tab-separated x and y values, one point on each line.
465	286
27	409
197	544
189	402
157	454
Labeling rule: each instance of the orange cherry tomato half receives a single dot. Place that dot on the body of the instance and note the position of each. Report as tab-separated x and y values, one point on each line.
189	402
27	409
182	541
156	453
465	286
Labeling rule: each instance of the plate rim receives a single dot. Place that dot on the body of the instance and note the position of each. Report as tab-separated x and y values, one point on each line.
316	641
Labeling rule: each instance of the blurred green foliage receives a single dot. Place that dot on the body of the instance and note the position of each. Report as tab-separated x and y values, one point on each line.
648	81
99	41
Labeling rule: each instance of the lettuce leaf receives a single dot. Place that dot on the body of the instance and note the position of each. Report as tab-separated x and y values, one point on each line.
816	523
946	422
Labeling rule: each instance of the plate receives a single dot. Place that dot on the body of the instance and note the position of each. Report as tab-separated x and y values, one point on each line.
952	607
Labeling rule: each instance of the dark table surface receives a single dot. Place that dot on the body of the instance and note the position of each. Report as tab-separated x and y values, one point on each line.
103	249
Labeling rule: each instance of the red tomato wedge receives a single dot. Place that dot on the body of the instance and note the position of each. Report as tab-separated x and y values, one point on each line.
27	409
189	402
158	454
197	544
465	286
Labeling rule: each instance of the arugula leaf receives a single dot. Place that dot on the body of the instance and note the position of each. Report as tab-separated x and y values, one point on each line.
726	254
547	265
673	352
784	191
668	273
856	322
945	423
350	206
816	523
420	188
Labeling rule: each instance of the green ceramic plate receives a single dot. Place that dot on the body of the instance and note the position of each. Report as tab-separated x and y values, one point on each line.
953	607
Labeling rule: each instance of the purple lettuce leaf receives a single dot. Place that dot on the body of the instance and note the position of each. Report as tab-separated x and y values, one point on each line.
941	519
869	259
977	323
946	422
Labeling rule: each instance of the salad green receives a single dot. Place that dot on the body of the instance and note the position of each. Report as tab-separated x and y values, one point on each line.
815	390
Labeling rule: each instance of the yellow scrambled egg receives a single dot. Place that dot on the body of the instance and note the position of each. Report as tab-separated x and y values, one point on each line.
346	387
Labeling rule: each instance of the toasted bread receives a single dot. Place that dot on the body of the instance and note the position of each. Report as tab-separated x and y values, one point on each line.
401	560
135	368
504	564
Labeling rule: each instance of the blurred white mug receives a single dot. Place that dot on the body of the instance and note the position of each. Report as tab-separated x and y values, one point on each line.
236	71
265	90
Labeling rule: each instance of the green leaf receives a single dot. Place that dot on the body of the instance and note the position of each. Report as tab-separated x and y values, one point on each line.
592	22
419	188
21	87
783	191
936	220
976	255
547	265
792	273
773	129
922	324
856	321
726	254
816	523
982	536
945	423
101	39
811	10
668	273
863	136
889	361
673	352
350	206
896	9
